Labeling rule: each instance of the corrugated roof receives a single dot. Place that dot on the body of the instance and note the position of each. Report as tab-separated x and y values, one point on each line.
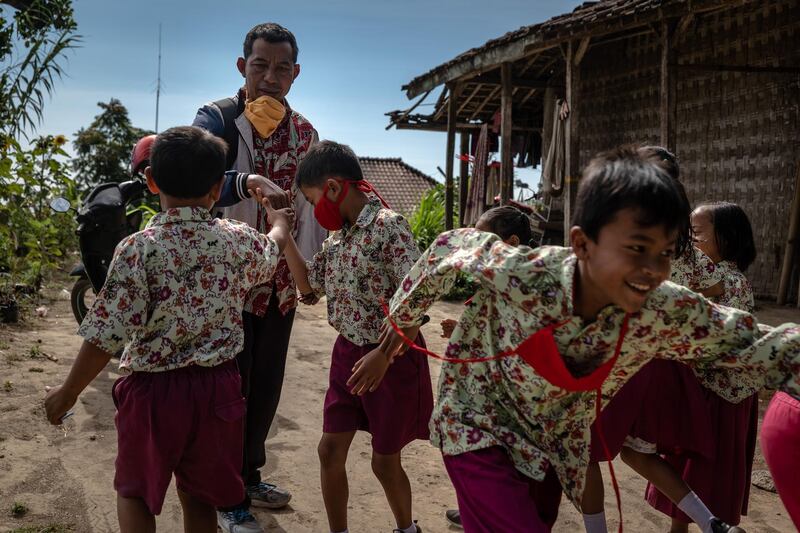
400	184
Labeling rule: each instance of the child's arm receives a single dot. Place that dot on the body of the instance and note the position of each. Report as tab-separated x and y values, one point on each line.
90	362
725	347
298	268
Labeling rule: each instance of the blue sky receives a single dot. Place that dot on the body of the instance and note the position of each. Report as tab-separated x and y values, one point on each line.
354	57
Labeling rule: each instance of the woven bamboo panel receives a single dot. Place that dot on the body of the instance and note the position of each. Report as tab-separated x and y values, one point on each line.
738	134
619	95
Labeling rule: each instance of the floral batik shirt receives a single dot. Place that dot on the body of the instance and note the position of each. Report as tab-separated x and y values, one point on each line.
175	291
737	291
694	270
360	267
277	157
521	290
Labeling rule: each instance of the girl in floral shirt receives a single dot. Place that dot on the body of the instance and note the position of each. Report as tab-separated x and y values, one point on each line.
368	253
721	477
582	322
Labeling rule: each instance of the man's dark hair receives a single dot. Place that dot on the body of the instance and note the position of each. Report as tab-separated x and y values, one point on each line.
733	233
624	178
272	33
328	159
506	221
187	161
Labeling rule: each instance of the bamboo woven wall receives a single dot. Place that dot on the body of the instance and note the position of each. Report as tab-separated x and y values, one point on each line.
737	134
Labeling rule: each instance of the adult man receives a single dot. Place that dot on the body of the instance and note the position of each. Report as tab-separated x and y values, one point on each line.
270	139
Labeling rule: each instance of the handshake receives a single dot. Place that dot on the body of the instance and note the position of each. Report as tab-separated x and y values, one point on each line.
281	217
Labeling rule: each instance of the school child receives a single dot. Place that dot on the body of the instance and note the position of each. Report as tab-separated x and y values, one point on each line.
647	416
361	264
780	442
582	321
514	227
721	478
172	305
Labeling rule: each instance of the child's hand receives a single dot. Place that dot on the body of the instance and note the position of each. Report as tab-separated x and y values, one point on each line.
309	299
277	196
56	404
368	372
448	325
275	216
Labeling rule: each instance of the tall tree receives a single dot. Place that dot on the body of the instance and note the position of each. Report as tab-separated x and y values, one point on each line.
102	151
31	46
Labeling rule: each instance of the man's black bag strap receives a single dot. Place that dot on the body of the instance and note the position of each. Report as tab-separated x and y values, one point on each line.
230	109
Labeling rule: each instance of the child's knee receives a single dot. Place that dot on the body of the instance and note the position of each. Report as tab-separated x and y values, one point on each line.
386	466
632	457
331	453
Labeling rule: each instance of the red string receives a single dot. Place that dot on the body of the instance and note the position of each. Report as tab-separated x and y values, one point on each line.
598	398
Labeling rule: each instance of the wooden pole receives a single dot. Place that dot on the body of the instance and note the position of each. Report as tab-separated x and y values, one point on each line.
669	87
452	107
571	137
791	239
463	177
506	162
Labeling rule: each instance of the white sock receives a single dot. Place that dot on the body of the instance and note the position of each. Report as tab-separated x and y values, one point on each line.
344	531
410	529
697	511
595	523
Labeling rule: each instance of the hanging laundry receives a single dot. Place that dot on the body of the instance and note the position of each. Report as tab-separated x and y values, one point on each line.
477	185
553	169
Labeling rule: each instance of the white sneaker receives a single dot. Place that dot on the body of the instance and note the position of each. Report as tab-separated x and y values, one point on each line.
238	521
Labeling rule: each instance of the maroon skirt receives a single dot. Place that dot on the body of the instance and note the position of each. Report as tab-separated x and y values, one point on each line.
722	479
662	404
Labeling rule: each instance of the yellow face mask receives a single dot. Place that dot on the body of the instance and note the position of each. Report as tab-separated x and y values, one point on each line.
264	113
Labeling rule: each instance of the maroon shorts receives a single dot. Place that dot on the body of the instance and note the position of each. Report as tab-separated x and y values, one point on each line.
395	414
780	442
188	422
494	497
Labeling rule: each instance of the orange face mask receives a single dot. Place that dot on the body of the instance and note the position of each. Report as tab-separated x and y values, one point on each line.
264	113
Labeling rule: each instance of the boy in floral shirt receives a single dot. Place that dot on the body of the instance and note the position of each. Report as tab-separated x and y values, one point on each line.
171	309
602	305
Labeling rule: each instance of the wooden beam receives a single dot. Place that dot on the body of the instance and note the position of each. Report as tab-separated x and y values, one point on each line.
409	110
460	126
683	25
506	162
483	104
468	99
527	97
452	120
571	138
492	78
581	51
463	178
669	82
739	68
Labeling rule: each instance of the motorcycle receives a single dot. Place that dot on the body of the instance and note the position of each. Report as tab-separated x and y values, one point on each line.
104	219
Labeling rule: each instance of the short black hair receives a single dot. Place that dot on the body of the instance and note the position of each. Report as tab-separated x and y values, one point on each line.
506	221
669	162
625	178
733	233
187	161
272	33
327	159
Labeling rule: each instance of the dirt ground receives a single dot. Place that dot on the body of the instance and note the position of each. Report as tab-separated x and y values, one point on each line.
65	482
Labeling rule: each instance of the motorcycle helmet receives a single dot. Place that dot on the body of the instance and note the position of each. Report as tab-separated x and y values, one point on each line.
140	156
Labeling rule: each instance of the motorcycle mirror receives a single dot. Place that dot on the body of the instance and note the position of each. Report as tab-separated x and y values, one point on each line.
60	205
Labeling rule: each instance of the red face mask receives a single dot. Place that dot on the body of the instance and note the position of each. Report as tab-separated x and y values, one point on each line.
327	211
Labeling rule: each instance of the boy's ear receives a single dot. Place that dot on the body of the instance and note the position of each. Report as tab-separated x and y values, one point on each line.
151	184
579	242
513	240
334	187
216	189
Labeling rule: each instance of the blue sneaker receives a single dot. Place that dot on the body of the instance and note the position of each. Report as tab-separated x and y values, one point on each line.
238	521
268	495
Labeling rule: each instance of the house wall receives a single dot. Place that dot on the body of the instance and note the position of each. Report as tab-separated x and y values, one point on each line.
737	134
